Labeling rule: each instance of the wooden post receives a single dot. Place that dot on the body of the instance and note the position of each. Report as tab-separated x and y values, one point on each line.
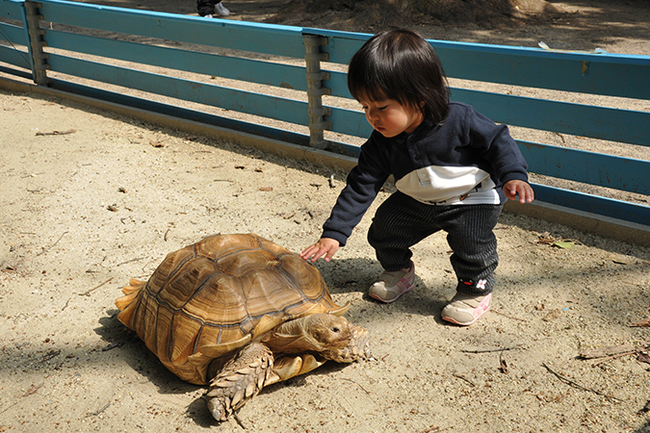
315	90
36	43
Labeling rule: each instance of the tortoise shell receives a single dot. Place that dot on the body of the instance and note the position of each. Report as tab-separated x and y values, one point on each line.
209	299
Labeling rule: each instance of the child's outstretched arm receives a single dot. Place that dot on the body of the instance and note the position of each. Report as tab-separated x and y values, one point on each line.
324	247
514	187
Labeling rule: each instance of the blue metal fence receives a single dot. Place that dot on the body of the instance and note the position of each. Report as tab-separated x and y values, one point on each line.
59	43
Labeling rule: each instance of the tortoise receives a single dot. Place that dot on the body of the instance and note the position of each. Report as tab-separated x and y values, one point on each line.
239	312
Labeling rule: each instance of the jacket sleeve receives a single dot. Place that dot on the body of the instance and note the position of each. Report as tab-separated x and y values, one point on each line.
499	149
363	184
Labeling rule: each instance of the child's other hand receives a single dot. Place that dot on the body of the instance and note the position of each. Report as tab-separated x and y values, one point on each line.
514	187
324	247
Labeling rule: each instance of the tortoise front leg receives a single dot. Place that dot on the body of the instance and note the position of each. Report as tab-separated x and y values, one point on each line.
288	366
240	379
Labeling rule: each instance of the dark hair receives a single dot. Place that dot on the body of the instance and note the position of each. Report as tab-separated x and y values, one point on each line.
402	66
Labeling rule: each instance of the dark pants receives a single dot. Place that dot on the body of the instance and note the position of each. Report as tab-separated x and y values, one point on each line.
401	222
206	7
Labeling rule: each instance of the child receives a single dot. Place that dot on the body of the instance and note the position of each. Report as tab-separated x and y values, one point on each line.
453	170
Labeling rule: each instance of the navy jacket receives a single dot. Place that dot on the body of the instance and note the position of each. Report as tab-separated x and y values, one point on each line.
465	160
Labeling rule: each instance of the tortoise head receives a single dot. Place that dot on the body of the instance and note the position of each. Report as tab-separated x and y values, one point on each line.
333	337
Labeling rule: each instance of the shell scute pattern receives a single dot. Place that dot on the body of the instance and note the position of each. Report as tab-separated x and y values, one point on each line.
209	299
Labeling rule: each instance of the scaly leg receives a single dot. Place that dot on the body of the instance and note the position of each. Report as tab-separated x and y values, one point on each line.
240	379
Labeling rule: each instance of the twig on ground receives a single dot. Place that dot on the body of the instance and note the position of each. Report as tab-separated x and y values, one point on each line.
129	261
66	304
509	317
602	352
465	379
642	324
576	385
610	353
88	292
111	346
435	429
364	389
52	246
69	131
99	411
51	354
612	357
502	349
8	407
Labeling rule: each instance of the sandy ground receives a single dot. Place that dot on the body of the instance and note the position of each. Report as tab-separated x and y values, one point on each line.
91	199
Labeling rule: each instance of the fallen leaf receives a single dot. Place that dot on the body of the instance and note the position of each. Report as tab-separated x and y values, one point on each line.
642	324
266	188
564	244
503	366
32	390
156	143
642	357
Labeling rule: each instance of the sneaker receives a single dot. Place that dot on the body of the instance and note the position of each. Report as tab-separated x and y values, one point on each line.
466	309
207	16
221	10
392	285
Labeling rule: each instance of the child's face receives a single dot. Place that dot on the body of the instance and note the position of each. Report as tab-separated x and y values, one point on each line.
390	118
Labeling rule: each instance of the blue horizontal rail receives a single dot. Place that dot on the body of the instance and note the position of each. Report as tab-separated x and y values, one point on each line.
237	35
13	35
12	9
596	205
602	73
182	113
614	124
243	69
273	56
587	167
230	99
15	57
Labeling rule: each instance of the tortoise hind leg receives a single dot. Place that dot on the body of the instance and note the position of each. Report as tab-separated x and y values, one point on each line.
240	379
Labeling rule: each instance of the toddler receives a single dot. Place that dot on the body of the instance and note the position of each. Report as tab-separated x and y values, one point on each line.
453	169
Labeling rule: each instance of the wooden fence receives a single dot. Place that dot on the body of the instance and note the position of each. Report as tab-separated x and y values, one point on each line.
206	67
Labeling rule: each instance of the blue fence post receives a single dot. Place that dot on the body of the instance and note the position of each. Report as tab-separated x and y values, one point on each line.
36	43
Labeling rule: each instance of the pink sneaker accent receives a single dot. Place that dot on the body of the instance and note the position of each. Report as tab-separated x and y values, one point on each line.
466	309
391	285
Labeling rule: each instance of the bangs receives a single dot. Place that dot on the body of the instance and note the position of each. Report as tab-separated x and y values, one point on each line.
401	66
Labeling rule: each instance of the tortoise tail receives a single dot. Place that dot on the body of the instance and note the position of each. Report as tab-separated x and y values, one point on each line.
130	293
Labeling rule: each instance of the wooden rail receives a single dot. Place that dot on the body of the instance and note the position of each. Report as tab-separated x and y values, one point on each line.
133	58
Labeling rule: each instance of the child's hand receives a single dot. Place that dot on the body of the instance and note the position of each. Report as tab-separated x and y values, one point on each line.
514	187
324	247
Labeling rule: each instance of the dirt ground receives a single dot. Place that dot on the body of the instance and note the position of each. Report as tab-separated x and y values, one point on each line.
91	199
